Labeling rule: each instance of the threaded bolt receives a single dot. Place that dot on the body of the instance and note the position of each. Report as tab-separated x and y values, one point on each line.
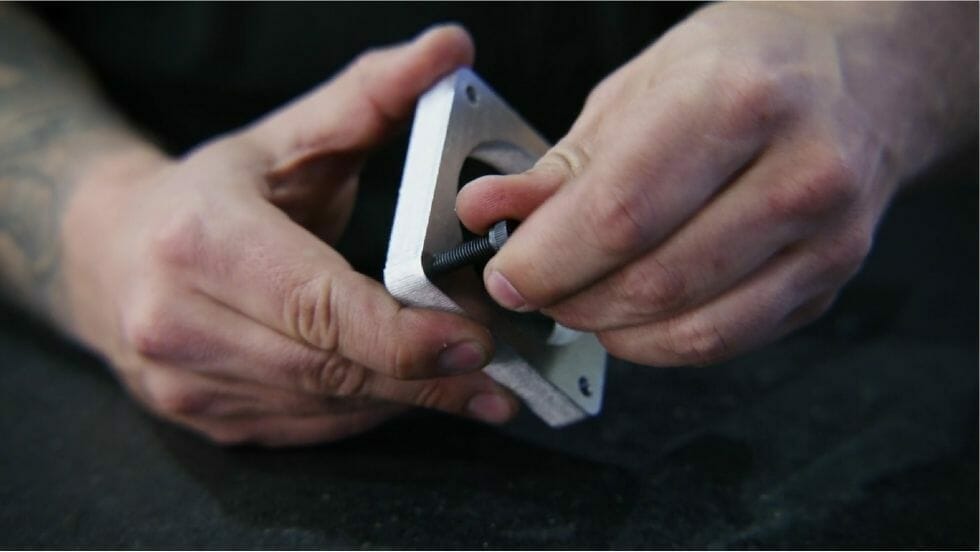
473	251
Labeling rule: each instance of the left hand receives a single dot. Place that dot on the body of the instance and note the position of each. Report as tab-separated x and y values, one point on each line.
209	284
715	193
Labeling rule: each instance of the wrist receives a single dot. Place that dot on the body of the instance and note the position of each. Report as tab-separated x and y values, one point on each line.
110	157
118	169
906	65
94	234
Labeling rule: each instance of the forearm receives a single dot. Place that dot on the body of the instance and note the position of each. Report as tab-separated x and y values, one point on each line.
54	129
913	66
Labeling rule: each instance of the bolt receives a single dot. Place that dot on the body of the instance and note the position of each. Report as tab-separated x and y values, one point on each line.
473	251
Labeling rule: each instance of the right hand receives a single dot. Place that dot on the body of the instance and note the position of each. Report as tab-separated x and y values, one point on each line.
206	284
718	190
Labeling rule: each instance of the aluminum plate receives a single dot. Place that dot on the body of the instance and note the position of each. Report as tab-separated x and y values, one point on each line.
461	117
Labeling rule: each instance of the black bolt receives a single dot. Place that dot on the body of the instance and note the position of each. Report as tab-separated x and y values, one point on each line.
473	251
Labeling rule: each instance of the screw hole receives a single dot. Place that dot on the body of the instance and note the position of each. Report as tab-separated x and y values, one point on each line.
471	93
583	386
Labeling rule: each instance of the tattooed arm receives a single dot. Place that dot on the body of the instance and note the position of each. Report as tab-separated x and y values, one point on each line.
207	282
53	126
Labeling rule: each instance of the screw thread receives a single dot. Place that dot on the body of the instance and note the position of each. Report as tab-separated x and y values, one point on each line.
466	253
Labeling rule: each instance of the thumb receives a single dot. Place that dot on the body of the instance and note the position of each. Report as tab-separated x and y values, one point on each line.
361	106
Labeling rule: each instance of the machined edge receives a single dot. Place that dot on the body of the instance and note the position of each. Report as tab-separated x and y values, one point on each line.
444	133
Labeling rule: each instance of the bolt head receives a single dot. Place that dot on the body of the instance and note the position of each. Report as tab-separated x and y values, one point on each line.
500	232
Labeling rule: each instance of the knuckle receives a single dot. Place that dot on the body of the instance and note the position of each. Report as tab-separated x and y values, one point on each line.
612	341
827	184
333	376
431	395
408	350
171	398
843	257
604	93
695	341
641	349
404	361
566	157
364	67
576	315
153	332
753	99
653	287
368	58
834	174
619	219
309	313
406	357
180	242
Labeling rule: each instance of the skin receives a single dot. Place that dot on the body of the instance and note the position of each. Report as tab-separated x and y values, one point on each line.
715	193
718	190
207	281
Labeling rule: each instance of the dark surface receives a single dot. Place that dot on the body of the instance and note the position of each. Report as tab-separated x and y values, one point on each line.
860	431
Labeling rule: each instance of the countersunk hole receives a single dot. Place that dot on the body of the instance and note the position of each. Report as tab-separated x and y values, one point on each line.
471	93
583	386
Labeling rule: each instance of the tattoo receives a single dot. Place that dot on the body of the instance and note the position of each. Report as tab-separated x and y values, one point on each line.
51	118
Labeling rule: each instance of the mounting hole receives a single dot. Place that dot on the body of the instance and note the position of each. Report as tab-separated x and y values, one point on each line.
471	93
583	386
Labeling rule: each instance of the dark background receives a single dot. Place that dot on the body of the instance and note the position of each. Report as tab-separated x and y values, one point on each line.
859	431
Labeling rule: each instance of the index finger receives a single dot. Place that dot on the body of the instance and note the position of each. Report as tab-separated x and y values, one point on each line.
362	105
628	187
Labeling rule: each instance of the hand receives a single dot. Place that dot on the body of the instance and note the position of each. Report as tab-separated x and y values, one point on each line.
205	284
718	190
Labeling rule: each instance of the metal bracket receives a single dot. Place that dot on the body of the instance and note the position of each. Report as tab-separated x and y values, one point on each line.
459	118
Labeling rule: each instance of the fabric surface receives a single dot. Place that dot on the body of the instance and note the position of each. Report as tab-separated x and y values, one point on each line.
860	431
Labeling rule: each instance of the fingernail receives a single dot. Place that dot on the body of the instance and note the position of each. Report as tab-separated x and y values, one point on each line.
504	292
490	407
462	357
